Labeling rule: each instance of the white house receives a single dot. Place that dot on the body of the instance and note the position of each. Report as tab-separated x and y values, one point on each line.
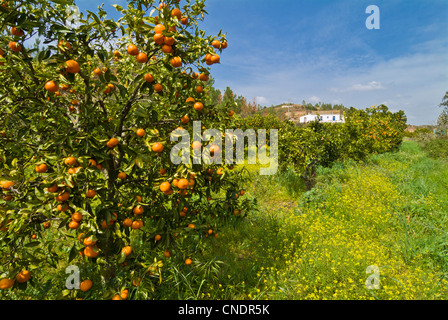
331	116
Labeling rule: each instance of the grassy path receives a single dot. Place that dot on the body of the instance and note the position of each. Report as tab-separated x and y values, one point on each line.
390	212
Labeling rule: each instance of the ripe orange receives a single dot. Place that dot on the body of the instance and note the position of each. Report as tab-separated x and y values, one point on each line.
77	216
199	89
184	20
116	297
54	188
14	46
167	49
158	87
231	113
90	193
224	45
159	28
16	31
176	62
140	132
70	161
122	175
191	226
62	196
127	222
183	184
169	41
220	171
149	77
51	86
23	276
185	119
72	66
112	143
86	285
5	185
46	224
176	13
73	225
97	71
198	106
62	207
127	250
157	147
138	210
139	198
133	50
136	282
215	58
208	58
166	253
137	224
188	261
214	149
142	57
91	251
124	294
41	168
216	44
165	186
74	170
89	241
109	88
203	77
157	237
6	283
65	44
159	38
189	99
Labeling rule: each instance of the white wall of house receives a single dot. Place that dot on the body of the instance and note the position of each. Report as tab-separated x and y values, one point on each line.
331	118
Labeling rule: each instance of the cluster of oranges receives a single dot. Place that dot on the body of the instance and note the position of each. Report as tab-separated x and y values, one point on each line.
22	277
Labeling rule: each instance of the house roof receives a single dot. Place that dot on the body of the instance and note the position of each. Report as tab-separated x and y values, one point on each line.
326	112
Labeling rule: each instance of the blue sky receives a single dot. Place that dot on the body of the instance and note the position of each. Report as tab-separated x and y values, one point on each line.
321	51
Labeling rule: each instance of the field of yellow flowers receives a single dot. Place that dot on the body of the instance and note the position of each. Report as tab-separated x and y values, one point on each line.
388	212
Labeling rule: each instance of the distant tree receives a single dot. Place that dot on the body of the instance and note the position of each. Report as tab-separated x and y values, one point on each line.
214	94
442	121
248	108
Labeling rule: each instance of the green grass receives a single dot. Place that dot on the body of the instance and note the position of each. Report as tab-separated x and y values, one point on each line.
389	211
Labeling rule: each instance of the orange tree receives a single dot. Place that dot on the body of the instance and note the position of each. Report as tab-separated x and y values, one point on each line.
85	123
364	132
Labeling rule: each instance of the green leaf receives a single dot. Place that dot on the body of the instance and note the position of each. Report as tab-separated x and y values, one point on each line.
64	2
72	254
117	7
32	244
95	17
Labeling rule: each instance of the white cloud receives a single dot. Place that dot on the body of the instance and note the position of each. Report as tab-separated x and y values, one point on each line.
372	85
314	99
261	100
